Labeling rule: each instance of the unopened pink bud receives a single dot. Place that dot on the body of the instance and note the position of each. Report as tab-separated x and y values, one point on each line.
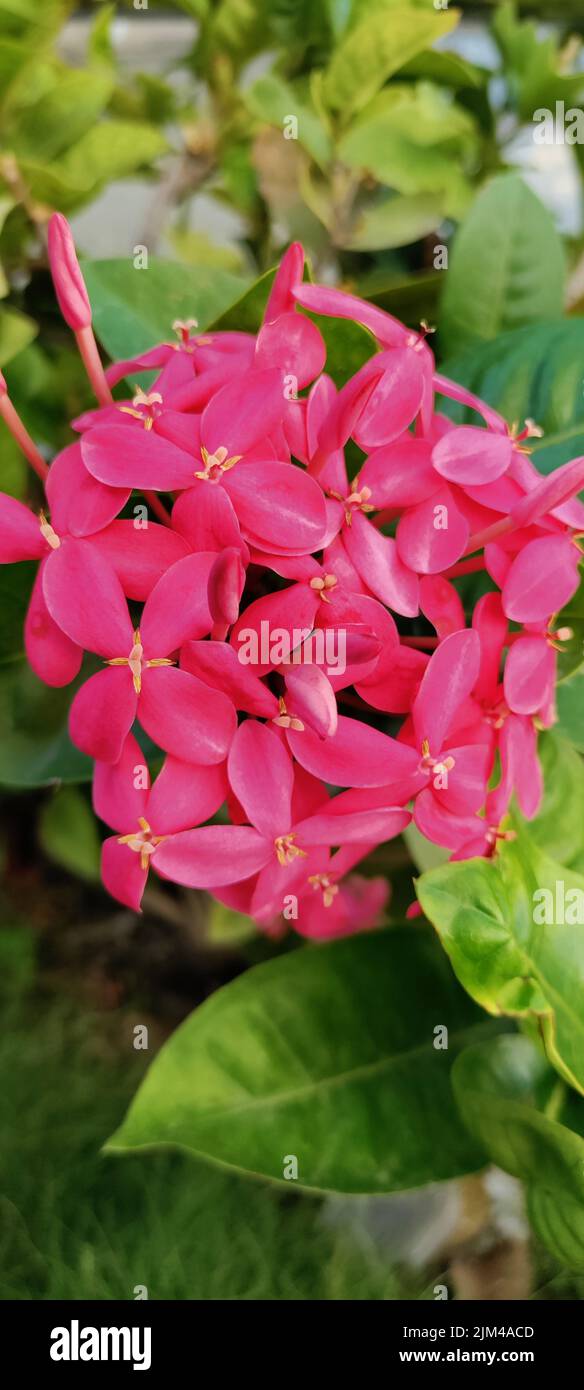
67	278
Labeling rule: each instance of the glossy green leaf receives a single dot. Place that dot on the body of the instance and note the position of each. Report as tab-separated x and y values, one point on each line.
134	309
68	834
532	373
376	48
495	280
559	827
533	1128
491	919
327	1054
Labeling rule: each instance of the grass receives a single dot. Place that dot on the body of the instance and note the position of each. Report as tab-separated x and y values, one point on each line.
77	1225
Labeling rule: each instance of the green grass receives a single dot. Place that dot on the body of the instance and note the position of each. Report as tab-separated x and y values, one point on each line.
75	1225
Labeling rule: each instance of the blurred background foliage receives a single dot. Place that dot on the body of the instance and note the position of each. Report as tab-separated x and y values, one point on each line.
412	177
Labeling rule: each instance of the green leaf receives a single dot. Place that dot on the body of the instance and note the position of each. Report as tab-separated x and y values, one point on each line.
111	150
532	373
495	279
134	309
348	346
35	748
570	708
326	1053
558	829
413	138
62	116
488	914
273	100
392	220
16	583
376	48
16	332
68	834
507	1097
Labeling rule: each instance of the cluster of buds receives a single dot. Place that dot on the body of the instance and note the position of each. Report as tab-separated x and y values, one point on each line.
278	770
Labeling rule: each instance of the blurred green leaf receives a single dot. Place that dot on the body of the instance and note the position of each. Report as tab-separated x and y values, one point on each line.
68	833
535	64
375	49
508	1099
570	707
348	346
273	100
488	917
134	309
411	137
495	278
16	332
357	1091
35	748
62	116
392	220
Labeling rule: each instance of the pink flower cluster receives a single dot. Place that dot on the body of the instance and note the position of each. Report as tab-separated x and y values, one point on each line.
269	533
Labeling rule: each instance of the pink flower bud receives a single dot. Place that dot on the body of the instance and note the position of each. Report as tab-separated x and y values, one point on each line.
67	278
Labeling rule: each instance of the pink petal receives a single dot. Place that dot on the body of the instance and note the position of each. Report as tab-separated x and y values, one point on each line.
377	560
102	714
278	505
217	665
274	626
20	532
433	535
542	578
139	555
178	608
288	276
120	790
85	598
394	684
355	828
186	717
206	518
467	780
400	474
79	504
440	826
295	344
449	677
122	873
519	760
396	400
550	493
213	856
224	588
355	756
469	455
491	624
184	795
530	673
341	419
310	698
454	392
322	299
441	604
54	658
243	412
261	775
126	457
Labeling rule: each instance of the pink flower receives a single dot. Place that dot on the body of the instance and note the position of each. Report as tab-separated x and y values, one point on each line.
142	681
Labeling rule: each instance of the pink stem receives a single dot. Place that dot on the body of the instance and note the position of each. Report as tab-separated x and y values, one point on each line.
465	567
421	643
490	533
158	508
22	437
93	365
